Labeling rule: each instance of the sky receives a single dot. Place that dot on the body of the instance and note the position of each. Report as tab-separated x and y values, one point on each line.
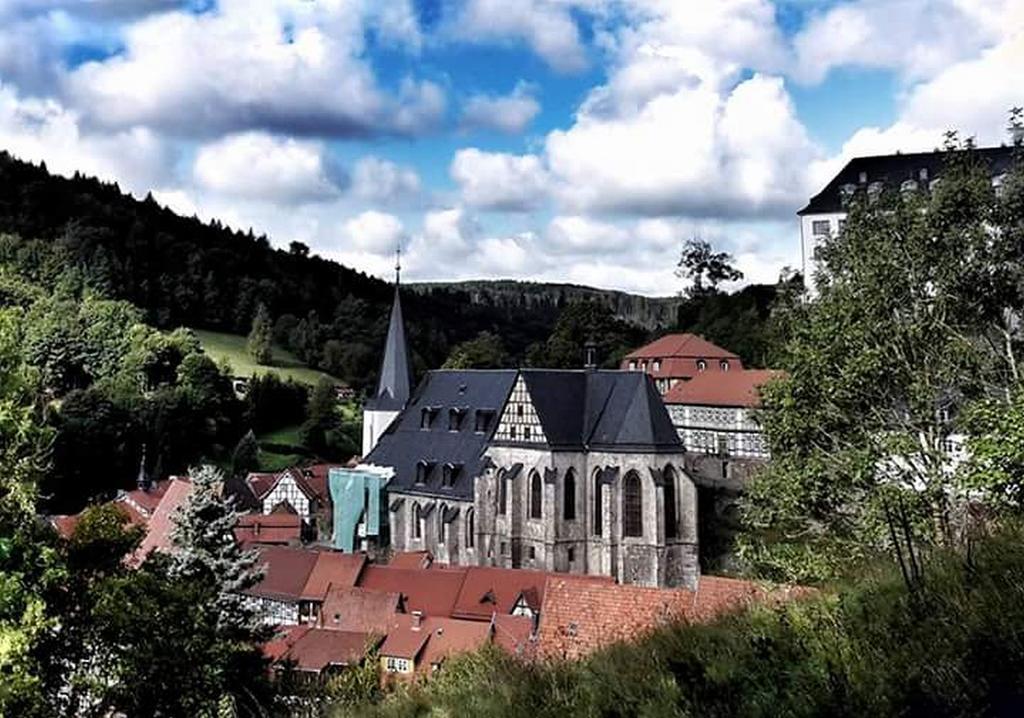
552	140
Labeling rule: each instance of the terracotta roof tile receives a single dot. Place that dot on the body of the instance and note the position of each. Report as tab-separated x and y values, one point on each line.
332	568
411	559
286	571
432	591
348	608
161	522
145	501
268	529
730	388
681	345
489	590
261	483
434	640
314	649
514	634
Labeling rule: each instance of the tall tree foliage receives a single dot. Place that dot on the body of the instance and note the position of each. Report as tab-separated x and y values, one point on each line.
261	336
915	319
704	267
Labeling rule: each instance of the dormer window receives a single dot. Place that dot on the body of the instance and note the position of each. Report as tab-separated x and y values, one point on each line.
483	420
923	174
449	474
423	469
632	365
862	177
427	415
724	365
657	365
455	419
701	365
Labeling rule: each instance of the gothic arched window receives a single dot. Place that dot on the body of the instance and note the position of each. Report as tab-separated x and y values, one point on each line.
598	518
632	506
671	511
470	529
442	528
417	521
569	496
536	496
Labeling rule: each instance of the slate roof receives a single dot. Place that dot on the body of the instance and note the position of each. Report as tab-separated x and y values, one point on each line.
732	389
394	383
603	410
404	444
893	170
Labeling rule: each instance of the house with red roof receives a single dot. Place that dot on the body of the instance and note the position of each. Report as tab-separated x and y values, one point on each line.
318	651
715	416
418	644
281	529
678	358
303	491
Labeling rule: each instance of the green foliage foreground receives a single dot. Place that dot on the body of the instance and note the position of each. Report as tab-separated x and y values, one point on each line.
954	649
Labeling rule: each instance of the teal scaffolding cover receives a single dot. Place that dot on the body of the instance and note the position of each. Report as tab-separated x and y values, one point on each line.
356	494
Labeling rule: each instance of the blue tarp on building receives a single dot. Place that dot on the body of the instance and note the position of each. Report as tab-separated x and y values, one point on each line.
357	495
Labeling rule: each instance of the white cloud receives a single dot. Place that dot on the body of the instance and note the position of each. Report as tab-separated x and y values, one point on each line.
375	232
547	26
505	113
917	39
377	180
284	66
499	181
254	165
44	130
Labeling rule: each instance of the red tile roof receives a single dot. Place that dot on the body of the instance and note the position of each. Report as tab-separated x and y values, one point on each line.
286	571
357	609
514	634
488	590
268	529
161	522
432	591
730	388
311	480
145	501
579	618
411	559
405	641
678	355
332	569
314	649
434	640
261	484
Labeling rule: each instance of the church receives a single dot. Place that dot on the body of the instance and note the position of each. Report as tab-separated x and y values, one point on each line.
575	471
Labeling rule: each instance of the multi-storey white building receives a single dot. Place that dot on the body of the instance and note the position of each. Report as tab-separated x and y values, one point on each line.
825	214
714	416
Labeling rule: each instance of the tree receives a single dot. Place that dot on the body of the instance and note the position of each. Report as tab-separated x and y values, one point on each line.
485	351
704	267
260	343
298	249
321	416
582	323
915	320
246	456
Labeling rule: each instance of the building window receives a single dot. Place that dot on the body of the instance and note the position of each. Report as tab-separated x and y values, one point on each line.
512	433
671	517
820	228
536	496
455	419
569	496
502	494
632	506
632	365
470	529
701	365
449	474
504	548
426	416
442	527
396	665
417	521
483	420
520	409
533	553
571	554
657	365
526	433
422	472
724	365
598	518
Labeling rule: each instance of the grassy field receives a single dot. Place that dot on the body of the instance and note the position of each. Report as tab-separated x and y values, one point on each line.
231	348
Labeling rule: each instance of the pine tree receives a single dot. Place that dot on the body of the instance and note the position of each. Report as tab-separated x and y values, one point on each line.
246	455
261	337
207	549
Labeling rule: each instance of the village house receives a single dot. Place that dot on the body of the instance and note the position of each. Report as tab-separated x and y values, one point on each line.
676	358
302	491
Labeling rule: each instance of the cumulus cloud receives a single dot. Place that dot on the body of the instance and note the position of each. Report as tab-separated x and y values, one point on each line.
510	114
44	130
255	165
499	181
546	26
377	180
376	232
917	39
287	66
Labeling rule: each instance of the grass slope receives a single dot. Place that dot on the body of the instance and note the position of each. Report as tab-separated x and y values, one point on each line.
231	348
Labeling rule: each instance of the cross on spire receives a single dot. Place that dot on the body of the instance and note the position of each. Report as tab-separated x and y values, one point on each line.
398	265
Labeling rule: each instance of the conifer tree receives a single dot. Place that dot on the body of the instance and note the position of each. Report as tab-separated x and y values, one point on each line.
261	337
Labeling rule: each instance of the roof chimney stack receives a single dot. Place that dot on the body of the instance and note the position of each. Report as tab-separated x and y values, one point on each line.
417	620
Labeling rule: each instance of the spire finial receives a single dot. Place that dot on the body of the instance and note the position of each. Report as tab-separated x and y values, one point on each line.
142	481
398	264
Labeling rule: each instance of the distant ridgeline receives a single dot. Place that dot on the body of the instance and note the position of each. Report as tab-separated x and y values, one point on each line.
647	312
184	272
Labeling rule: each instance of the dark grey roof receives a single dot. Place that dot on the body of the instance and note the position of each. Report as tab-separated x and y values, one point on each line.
393	386
405	444
599	410
893	170
604	410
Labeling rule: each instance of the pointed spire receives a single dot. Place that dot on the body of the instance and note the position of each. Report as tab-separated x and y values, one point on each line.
142	481
393	389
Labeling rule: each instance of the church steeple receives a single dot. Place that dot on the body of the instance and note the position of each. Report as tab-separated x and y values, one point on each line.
393	388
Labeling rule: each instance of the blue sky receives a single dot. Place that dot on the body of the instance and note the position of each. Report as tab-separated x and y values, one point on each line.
560	140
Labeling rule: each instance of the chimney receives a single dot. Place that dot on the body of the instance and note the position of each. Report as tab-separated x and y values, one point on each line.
256	528
417	620
590	352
